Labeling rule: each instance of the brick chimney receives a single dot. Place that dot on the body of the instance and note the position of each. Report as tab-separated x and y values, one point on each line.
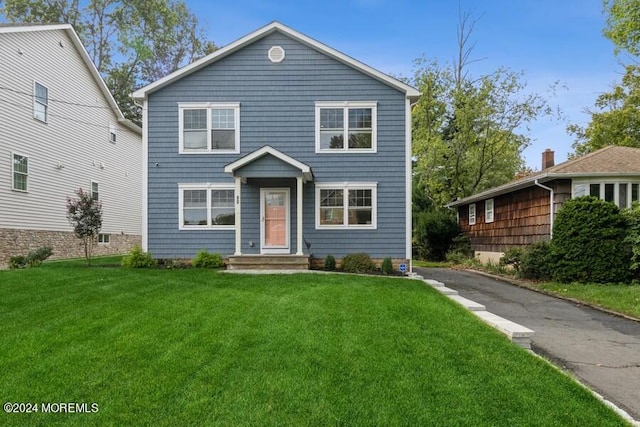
548	159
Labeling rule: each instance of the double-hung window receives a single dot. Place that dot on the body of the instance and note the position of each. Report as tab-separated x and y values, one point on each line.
112	133
351	205
472	214
40	102
488	210
20	168
209	127
95	191
207	206
346	127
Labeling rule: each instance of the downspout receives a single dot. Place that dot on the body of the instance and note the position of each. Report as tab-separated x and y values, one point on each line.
551	194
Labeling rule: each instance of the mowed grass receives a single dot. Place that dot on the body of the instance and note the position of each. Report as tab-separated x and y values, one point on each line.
194	347
621	298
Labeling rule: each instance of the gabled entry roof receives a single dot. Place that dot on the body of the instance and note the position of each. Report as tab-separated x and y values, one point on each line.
301	169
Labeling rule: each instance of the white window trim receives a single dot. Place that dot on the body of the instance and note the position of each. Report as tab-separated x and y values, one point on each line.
35	102
91	190
101	235
208	106
13	171
346	105
489	210
113	133
373	186
616	181
472	207
208	187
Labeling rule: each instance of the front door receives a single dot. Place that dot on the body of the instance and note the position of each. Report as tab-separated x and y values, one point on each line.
274	213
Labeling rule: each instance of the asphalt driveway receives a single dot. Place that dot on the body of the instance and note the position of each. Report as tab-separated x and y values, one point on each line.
600	349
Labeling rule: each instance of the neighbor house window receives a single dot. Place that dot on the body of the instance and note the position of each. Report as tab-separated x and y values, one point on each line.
95	191
20	167
621	192
40	102
350	205
103	239
112	133
472	214
207	206
209	128
488	210
346	126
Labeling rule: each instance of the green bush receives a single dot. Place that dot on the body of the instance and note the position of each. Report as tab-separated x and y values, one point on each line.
434	233
387	266
137	258
329	263
17	261
358	263
204	259
632	216
32	259
589	244
512	257
535	262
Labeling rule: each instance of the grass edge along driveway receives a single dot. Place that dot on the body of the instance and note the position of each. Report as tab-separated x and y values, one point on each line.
194	347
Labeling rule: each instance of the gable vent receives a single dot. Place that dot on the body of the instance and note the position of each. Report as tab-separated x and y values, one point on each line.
276	54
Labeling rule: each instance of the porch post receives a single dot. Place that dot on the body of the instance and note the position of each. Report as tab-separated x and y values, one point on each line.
238	216
299	211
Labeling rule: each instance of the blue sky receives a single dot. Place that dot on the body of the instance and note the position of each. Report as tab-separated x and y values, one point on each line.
548	40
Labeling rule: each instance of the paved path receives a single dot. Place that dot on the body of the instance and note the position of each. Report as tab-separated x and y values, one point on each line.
602	350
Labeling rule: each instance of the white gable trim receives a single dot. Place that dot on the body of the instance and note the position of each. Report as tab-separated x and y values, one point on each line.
142	93
86	59
267	149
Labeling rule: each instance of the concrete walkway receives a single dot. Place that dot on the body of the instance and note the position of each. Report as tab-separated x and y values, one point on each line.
600	349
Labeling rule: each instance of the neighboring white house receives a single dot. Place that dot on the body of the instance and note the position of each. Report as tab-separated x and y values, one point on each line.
60	130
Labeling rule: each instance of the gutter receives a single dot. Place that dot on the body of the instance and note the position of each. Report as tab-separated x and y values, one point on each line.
551	194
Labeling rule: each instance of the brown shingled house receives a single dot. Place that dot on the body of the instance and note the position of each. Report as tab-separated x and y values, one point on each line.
522	212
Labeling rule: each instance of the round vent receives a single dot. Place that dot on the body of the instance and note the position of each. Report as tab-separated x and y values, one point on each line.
276	54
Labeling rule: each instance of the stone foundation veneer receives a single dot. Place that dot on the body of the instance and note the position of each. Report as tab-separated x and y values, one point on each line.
64	244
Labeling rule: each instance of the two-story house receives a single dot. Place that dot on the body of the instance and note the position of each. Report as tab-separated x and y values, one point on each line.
60	130
277	145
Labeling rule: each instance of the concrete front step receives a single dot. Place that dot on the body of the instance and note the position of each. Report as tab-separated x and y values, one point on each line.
268	262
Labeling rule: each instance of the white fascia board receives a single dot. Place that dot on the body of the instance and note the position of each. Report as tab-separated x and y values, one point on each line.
267	149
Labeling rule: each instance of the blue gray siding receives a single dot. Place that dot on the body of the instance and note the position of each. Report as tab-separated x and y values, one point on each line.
277	108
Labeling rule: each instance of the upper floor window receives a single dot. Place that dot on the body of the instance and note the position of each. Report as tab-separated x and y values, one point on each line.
209	128
40	102
472	214
95	191
112	133
20	167
351	205
619	192
488	210
346	127
207	206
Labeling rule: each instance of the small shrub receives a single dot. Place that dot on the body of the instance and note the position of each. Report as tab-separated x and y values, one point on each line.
458	257
329	263
32	259
387	266
205	259
512	257
358	263
17	261
137	258
535	262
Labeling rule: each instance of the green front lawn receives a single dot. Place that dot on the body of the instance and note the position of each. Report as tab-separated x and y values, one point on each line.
194	347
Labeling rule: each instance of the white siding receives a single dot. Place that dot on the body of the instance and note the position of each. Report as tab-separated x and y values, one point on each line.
75	136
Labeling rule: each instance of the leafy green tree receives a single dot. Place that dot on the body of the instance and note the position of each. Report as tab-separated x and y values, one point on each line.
85	215
131	42
468	131
616	117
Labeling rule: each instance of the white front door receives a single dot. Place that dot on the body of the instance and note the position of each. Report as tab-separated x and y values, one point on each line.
274	224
